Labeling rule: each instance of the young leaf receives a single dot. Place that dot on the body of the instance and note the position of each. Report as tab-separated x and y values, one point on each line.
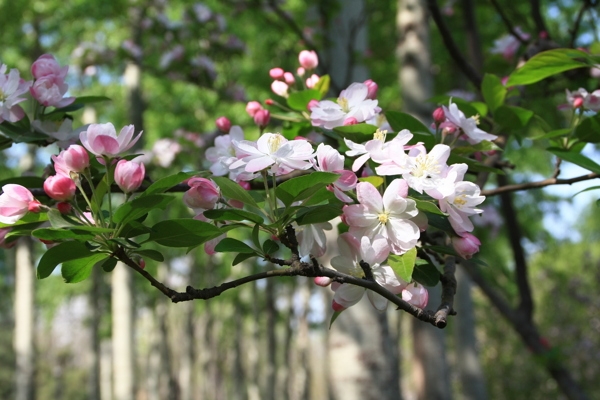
109	264
404	265
428	206
545	64
233	214
493	91
373	180
61	234
230	245
66	251
317	214
270	246
136	208
357	133
151	254
164	184
589	130
78	270
426	274
183	232
299	100
400	120
255	232
511	117
575	158
242	257
323	85
234	191
303	186
334	317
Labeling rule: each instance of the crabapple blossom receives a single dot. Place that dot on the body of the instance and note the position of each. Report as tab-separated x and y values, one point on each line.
11	87
312	81
372	251
46	65
468	126
466	245
165	150
222	155
581	98
352	102
289	78
49	91
350	121
329	159
323	281
312	239
15	201
308	59
373	87
276	73
439	116
280	88
461	203
275	152
64	133
300	71
262	118
311	104
416	294
378	149
223	124
203	193
60	187
388	216
129	175
73	159
102	139
508	45
252	107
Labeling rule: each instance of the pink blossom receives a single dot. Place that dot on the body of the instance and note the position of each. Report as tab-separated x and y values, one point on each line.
508	45
439	116
64	207
11	87
102	139
15	201
388	216
311	104
352	102
46	65
165	150
416	294
300	71
222	155
329	159
312	81
276	73
377	149
581	98
73	159
252	107
209	247
223	124
372	93
49	91
262	118
275	152
468	126
461	202
466	245
350	121
60	187
322	281
289	78
280	88
203	193
129	175
308	59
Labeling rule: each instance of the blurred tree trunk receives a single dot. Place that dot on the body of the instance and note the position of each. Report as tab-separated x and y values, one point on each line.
122	333
271	343
94	302
24	321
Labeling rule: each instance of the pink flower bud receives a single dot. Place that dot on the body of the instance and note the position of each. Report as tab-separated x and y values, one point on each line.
466	245
60	187
203	193
322	281
300	71
245	185
102	140
49	91
280	88
372	93
35	206
416	294
439	116
312	81
289	78
73	159
276	73
252	107
64	207
223	124
262	118
129	175
269	102
337	307
142	263
504	80
308	59
350	121
578	102
311	104
45	65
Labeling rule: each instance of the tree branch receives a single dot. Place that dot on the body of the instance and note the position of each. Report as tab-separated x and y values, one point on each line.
449	286
536	14
451	46
582	10
538	184
507	22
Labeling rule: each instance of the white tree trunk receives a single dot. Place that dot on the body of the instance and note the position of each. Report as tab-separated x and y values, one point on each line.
122	333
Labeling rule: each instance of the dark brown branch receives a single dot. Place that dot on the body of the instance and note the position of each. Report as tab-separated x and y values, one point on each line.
536	14
449	287
507	22
575	30
538	184
451	46
367	270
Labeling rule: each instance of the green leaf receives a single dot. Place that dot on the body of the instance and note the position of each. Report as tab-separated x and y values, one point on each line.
151	254
61	234
229	245
242	257
98	197
575	158
545	64
318	214
358	133
552	134
493	91
234	191
443	250
426	274
77	270
255	232
60	253
482	146
301	187
511	117
373	180
299	100
183	232
589	130
323	85
270	246
233	214
404	265
166	183
109	264
440	222
334	316
91	99
141	206
399	121
428	206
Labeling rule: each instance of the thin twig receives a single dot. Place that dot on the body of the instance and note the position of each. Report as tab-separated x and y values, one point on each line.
538	184
582	10
449	287
536	14
507	22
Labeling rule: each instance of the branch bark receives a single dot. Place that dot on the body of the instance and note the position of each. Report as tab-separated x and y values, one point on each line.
538	184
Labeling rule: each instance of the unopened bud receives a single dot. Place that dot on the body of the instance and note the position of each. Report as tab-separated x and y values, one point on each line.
578	102
262	118
276	73
300	71
269	102
372	92
252	107
64	207
322	281
245	185
439	116
223	124
34	206
311	104
289	78
350	121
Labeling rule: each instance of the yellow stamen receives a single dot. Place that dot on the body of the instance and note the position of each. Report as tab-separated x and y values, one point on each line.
275	142
460	201
477	118
343	102
380	135
383	218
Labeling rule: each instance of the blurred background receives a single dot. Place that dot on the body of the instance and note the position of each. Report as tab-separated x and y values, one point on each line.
171	68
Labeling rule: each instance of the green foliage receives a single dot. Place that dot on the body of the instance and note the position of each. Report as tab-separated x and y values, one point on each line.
404	265
546	64
183	233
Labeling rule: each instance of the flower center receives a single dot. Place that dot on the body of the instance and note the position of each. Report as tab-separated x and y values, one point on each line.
275	142
343	102
380	134
383	218
425	166
460	201
357	271
477	118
